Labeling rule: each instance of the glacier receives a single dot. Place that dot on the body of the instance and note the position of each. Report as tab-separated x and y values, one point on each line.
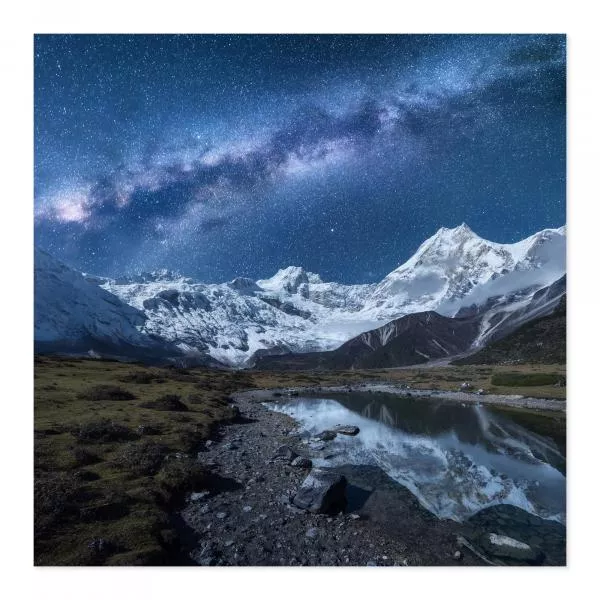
234	322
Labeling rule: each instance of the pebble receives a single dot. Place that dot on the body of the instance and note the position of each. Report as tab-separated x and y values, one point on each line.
271	535
195	496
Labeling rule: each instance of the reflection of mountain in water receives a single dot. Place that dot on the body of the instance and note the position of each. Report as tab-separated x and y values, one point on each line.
472	424
456	459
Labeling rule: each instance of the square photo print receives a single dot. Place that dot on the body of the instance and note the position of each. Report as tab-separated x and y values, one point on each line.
300	300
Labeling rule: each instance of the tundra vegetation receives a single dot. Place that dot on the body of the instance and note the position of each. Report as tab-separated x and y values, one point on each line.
115	444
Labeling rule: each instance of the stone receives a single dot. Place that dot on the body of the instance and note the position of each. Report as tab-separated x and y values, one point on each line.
312	532
504	547
354	516
317	446
457	555
321	491
285	453
346	429
301	462
326	436
247	508
195	496
221	515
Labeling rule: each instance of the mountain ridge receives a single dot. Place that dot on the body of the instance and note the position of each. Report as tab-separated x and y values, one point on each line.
296	311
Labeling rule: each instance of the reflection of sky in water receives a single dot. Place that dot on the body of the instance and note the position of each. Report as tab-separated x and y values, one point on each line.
456	460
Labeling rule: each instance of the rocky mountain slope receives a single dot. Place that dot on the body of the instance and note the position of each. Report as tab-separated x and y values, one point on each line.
410	340
73	314
542	340
295	311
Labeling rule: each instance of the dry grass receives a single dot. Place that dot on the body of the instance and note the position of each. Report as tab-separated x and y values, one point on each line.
441	378
109	463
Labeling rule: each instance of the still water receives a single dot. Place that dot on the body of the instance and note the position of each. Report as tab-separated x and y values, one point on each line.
456	459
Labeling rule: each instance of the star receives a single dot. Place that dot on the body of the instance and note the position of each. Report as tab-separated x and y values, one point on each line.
221	156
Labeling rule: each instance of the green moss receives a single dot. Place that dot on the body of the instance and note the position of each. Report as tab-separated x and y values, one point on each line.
527	379
116	509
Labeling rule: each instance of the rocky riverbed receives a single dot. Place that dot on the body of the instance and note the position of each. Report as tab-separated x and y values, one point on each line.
261	509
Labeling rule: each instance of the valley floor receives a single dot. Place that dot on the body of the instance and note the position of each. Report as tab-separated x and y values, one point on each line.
113	468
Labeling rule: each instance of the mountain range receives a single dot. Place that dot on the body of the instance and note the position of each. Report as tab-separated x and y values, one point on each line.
457	293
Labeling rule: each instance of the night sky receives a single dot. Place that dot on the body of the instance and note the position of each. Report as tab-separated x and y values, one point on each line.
224	156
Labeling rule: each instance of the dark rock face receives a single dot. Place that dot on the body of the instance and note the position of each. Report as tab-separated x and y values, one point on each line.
410	340
321	491
542	340
286	307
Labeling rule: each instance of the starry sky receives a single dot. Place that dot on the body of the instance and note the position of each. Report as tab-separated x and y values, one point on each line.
236	155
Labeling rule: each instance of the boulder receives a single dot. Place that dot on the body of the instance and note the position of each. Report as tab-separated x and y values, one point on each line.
285	453
346	429
321	491
326	436
504	547
301	462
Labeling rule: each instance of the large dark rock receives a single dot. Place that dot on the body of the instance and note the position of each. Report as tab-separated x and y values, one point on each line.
321	492
409	340
285	453
326	436
346	429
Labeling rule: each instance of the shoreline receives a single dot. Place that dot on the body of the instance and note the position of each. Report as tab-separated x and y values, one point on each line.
506	400
248	518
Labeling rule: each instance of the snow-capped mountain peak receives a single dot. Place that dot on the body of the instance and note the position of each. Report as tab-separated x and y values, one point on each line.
295	310
288	280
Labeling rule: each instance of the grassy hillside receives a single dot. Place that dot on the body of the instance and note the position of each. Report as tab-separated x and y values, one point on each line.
113	445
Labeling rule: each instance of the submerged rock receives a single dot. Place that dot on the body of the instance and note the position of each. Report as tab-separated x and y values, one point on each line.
321	491
346	429
326	436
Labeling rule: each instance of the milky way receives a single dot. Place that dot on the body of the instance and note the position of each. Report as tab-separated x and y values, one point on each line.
219	156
